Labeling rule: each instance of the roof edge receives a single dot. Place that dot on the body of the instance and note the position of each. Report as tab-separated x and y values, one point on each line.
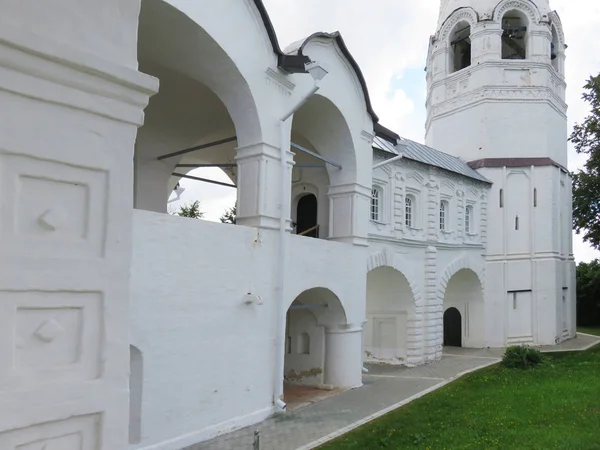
289	63
514	162
337	37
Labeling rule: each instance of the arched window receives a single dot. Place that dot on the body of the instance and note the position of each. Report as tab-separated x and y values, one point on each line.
460	46
375	203
304	344
409	204
554	47
444	210
514	35
469	219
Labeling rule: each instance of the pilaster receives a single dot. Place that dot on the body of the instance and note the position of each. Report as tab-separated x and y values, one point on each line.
67	142
348	208
432	348
259	186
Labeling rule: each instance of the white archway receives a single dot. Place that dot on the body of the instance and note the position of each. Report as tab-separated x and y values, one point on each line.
463	307
203	98
320	349
390	316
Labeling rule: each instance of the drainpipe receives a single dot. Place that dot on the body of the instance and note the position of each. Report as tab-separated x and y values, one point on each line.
318	73
394	159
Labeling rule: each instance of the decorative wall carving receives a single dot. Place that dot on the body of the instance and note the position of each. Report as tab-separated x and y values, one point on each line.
523	94
464	15
279	82
36	221
520	5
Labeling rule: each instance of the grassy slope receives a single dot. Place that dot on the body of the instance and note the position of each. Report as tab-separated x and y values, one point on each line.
589	330
554	406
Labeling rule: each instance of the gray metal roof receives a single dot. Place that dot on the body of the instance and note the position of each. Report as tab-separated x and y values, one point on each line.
427	155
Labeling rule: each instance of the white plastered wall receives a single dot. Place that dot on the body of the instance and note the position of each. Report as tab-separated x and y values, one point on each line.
71	103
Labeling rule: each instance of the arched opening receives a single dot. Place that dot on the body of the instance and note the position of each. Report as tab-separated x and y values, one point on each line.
136	377
514	35
452	328
324	158
307	216
186	150
312	357
554	48
460	46
390	309
464	293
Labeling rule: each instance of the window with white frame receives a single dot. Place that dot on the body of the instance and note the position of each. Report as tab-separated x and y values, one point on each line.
376	204
444	210
409	205
469	219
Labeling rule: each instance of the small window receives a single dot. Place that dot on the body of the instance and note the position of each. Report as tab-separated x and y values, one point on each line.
408	211
501	198
517	223
304	344
534	197
288	344
460	44
444	215
375	200
514	35
469	219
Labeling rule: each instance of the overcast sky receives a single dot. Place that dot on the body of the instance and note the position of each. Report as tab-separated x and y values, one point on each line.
389	39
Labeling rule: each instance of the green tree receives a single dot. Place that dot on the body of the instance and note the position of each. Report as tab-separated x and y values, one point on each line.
191	210
229	215
588	293
586	182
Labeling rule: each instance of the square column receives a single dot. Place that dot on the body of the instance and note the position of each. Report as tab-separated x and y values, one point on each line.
69	123
259	186
349	213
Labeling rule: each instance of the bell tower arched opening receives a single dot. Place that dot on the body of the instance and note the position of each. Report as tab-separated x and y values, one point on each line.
514	35
460	46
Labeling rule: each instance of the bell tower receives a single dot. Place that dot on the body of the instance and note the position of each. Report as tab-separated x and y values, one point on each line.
496	99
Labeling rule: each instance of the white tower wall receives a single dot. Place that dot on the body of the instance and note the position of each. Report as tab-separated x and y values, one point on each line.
507	118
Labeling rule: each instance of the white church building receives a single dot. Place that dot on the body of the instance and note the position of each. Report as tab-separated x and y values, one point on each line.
123	326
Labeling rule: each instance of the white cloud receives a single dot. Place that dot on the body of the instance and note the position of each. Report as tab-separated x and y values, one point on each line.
389	37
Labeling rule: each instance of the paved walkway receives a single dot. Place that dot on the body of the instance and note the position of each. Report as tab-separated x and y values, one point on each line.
385	388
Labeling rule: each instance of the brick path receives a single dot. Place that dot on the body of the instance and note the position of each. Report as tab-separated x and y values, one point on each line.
383	387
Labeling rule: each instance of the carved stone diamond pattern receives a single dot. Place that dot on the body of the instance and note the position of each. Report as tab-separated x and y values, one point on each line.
49	330
52	219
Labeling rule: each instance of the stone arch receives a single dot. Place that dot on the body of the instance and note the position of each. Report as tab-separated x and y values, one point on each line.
557	25
526	7
461	287
466	14
385	258
460	263
334	358
204	97
409	350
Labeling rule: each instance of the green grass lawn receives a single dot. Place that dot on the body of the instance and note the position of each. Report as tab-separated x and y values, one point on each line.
556	406
589	330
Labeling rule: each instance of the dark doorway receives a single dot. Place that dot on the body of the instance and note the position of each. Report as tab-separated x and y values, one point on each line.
452	328
306	216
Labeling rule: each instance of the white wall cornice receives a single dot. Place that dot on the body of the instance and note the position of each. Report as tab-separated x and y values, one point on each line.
65	75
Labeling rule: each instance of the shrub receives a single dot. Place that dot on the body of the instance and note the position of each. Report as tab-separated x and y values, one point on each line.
521	357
